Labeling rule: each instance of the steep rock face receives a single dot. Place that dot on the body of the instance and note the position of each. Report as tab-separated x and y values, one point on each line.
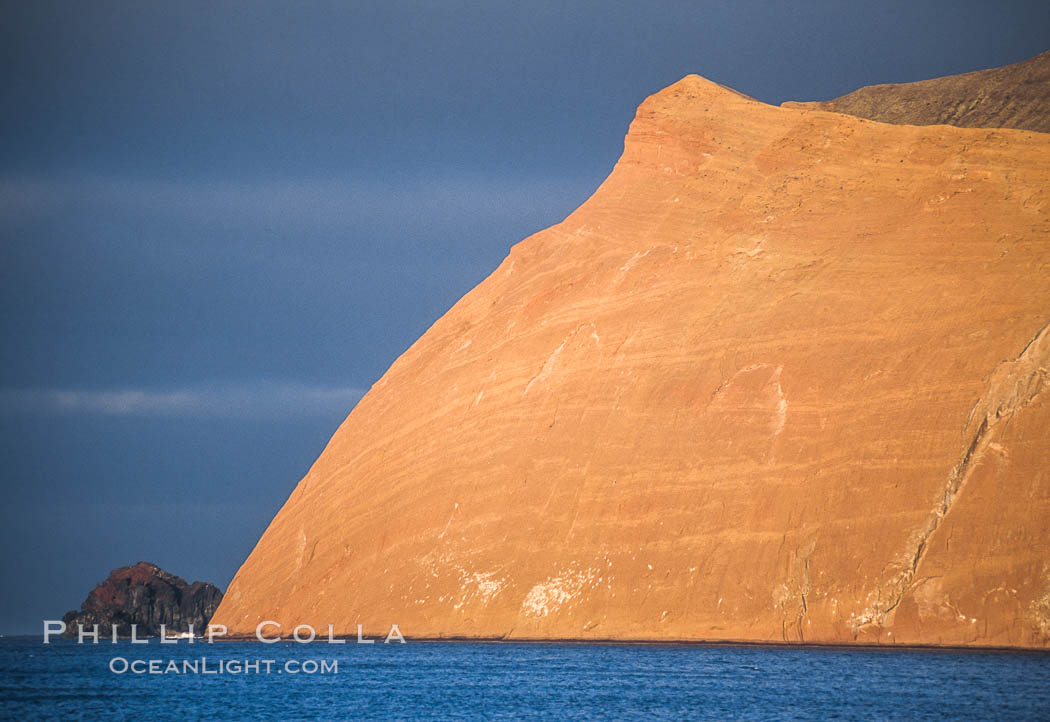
146	595
1014	96
781	378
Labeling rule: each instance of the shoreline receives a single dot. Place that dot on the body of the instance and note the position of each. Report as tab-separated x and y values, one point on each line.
858	646
567	641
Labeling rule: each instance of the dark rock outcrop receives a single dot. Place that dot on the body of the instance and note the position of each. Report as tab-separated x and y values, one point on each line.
145	595
1014	96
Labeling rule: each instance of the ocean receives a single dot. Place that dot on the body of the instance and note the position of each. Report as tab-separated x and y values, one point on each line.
468	680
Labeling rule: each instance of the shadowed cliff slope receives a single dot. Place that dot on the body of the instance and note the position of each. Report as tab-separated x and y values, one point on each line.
1014	96
782	377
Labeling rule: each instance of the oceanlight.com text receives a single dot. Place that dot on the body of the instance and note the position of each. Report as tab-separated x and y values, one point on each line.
121	665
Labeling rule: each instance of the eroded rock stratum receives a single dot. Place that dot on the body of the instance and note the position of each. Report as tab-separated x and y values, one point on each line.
783	377
1014	96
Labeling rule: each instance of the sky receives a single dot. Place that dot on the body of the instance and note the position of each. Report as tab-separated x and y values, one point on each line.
221	222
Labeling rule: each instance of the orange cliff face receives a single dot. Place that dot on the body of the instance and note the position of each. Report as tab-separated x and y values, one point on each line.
782	378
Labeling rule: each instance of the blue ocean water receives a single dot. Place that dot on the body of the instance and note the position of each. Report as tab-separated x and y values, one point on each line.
459	680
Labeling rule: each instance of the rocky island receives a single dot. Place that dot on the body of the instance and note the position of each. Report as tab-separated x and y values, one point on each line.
147	596
782	378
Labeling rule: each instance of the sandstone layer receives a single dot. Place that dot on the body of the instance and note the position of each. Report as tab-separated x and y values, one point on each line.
781	378
147	596
1014	96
